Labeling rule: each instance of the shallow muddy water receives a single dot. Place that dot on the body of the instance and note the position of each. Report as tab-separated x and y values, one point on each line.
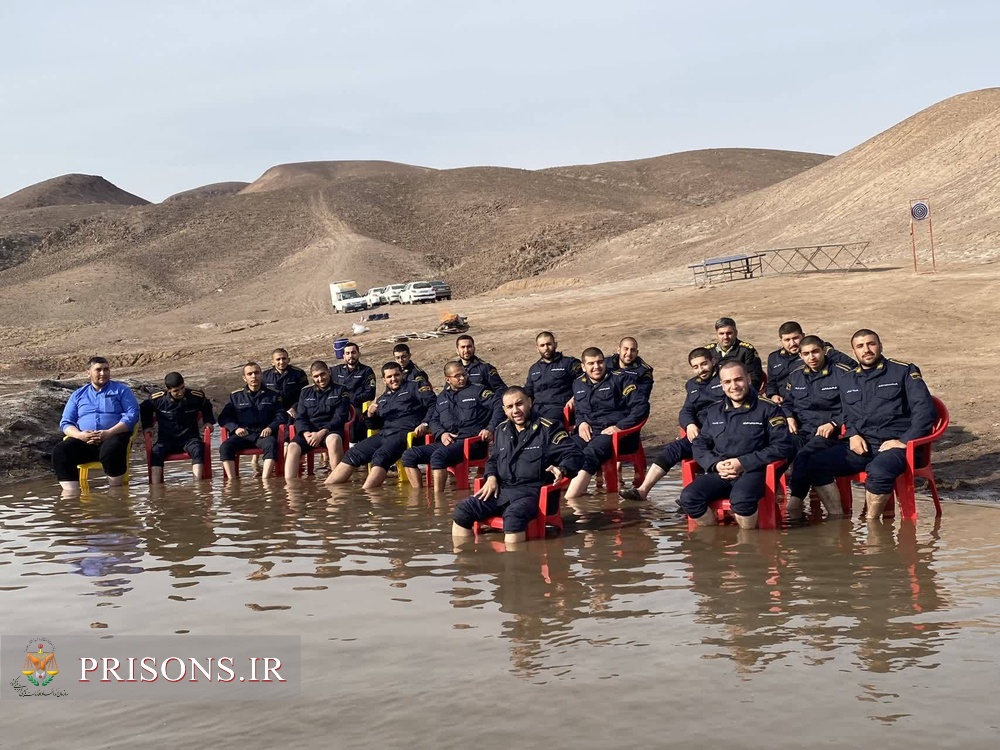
627	630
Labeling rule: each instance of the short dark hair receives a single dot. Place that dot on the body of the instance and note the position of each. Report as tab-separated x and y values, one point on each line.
97	361
349	344
543	334
451	363
465	337
280	351
391	366
400	348
865	332
699	352
516	389
250	364
725	322
592	351
319	366
787	329
732	362
629	338
811	341
173	380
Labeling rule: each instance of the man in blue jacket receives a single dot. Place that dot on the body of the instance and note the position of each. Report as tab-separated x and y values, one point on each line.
252	417
739	437
550	379
322	412
97	421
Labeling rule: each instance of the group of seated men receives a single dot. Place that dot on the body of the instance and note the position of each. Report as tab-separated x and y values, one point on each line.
833	414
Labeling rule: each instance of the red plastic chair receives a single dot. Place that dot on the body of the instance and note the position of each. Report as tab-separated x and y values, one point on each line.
310	455
536	529
279	459
568	419
183	456
461	471
904	491
768	509
637	458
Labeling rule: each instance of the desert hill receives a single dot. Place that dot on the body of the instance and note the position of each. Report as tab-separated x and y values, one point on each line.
215	190
323	173
948	154
692	177
68	190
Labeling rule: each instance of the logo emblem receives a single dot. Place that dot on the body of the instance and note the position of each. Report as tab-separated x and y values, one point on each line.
40	666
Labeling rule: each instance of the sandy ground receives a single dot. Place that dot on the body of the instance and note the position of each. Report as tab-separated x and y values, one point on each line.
931	320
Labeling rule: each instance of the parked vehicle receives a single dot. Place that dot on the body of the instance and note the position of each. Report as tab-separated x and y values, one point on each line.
392	292
417	291
345	297
374	296
441	289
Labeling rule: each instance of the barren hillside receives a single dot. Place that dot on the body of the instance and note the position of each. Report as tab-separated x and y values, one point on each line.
948	154
215	190
68	190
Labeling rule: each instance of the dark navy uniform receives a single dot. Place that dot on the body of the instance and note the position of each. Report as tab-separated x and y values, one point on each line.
253	411
413	374
177	424
519	461
640	371
812	398
485	374
756	432
614	401
288	383
321	410
781	363
399	412
463	413
701	393
743	352
889	401
550	385
360	384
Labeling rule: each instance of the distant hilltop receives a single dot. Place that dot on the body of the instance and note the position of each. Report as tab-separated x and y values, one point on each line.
69	190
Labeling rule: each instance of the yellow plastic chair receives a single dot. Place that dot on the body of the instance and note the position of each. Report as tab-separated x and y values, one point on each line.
410	437
86	468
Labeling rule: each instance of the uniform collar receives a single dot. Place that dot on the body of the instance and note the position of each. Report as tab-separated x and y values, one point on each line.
824	371
877	368
749	403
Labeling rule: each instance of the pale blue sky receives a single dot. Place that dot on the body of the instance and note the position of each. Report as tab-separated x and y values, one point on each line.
162	97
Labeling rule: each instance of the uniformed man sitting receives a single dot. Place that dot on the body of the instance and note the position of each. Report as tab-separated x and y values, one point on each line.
97	421
885	404
286	379
401	409
606	402
528	453
727	345
627	361
739	437
359	380
781	362
252	418
462	410
175	412
702	390
321	414
550	379
411	373
478	372
812	405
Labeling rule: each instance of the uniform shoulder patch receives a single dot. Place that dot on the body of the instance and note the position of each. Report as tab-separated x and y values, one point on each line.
901	362
842	367
487	393
777	421
159	394
546	422
628	389
425	389
559	437
748	345
916	375
238	390
199	394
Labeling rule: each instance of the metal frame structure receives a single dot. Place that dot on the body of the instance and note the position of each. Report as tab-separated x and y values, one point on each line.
843	256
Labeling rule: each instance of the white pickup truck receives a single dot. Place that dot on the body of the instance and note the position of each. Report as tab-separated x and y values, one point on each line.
345	297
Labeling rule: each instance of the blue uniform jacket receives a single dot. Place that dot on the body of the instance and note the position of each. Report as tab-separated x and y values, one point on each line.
360	383
640	371
888	402
176	420
614	401
520	458
413	374
483	373
551	383
323	410
756	432
466	412
700	395
781	364
253	411
813	397
745	353
402	410
89	409
288	383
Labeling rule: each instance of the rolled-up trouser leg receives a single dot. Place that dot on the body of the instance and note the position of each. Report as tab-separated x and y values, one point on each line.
595	452
798	484
419	454
233	444
268	446
884	469
747	491
703	490
673	453
391	450
445	456
838	461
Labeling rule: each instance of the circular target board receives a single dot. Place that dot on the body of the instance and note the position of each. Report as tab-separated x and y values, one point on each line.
920	211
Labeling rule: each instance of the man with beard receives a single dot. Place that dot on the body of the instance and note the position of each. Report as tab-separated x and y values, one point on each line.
550	379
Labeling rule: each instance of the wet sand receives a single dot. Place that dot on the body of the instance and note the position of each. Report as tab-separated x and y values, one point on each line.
627	629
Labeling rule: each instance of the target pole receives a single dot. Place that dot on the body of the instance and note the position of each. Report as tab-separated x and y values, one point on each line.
913	241
930	228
